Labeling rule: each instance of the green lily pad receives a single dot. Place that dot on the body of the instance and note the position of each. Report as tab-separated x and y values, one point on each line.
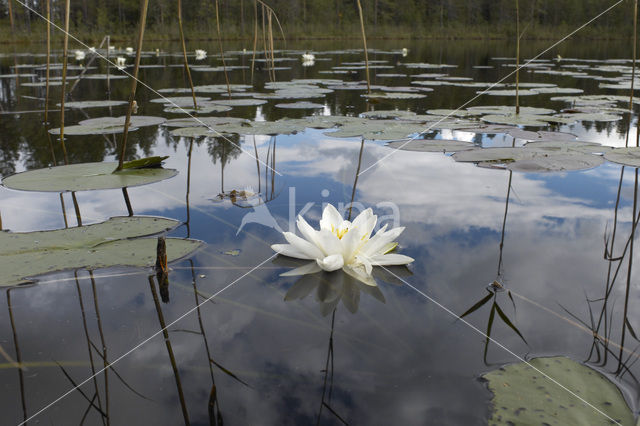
106	244
523	396
432	145
517	120
531	159
144	163
627	156
203	121
509	110
557	90
203	108
105	76
300	105
179	101
93	104
108	125
508	92
395	95
387	114
239	102
84	177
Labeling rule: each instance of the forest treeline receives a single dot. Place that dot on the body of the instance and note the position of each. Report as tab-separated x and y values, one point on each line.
331	18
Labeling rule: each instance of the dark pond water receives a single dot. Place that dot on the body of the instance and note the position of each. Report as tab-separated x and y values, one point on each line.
321	349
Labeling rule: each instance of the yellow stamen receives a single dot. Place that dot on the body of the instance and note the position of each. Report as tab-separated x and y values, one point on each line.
339	233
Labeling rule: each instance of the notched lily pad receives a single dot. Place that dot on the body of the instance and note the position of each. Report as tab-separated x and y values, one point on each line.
84	177
105	244
522	395
431	145
531	158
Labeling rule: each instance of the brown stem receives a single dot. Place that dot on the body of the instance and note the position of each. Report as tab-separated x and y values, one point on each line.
134	82
64	77
364	41
224	65
517	57
167	342
184	55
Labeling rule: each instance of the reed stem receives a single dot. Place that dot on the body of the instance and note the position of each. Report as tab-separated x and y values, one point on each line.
134	82
65	53
184	55
517	57
364	41
224	65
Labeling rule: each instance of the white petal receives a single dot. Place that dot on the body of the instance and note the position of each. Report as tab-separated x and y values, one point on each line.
350	242
391	259
359	273
291	251
366	263
306	230
364	217
309	268
329	243
330	217
303	245
378	242
331	263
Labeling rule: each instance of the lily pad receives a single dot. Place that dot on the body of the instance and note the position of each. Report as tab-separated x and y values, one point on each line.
517	120
300	105
531	159
84	177
93	104
395	95
105	244
432	145
522	395
627	156
108	125
239	102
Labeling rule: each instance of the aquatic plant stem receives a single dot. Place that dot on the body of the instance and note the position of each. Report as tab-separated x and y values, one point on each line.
184	55
65	58
517	57
18	353
224	65
366	54
255	37
105	363
167	341
134	82
355	182
46	90
635	45
88	338
628	286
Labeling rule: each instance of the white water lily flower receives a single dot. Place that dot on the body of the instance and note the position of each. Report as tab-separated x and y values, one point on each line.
340	244
200	54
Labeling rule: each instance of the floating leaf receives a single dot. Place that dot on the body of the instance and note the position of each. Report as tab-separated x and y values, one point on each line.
108	125
143	163
105	244
518	120
432	145
239	102
300	105
84	177
531	159
522	395
93	104
627	156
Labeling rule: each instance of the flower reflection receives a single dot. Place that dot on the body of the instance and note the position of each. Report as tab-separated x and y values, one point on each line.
332	287
340	244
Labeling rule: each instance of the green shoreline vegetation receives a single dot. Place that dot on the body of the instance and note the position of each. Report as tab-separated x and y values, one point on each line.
324	19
